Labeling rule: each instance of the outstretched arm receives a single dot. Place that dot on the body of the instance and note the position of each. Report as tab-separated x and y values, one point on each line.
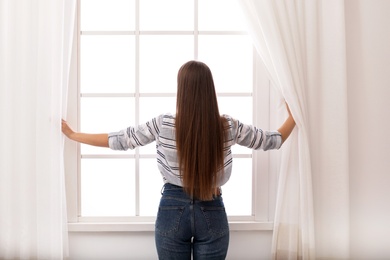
287	127
91	139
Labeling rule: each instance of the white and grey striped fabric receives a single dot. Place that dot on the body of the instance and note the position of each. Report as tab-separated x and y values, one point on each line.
161	129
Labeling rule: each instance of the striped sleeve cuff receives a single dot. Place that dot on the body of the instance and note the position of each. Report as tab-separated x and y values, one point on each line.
118	141
273	140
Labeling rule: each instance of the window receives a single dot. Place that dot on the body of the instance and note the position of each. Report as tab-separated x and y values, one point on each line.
128	55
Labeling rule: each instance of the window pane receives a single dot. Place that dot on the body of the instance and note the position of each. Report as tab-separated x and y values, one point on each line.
107	64
103	115
107	187
151	184
151	107
160	59
237	192
106	15
230	60
220	15
238	107
167	15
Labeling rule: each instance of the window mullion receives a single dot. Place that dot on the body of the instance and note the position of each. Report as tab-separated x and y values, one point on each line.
196	30
137	106
78	108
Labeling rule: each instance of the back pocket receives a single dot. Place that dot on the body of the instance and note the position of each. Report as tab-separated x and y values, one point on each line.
168	219
216	220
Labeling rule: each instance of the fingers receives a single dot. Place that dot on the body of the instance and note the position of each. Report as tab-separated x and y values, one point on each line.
64	124
65	128
288	108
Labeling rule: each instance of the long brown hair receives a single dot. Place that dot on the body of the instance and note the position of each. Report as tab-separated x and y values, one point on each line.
199	130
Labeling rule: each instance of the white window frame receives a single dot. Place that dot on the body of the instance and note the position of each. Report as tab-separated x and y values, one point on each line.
264	177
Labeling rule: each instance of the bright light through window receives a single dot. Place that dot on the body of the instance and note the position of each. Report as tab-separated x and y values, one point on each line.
160	58
130	52
166	15
103	15
107	63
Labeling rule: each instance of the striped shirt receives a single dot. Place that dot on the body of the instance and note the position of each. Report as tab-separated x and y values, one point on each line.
161	129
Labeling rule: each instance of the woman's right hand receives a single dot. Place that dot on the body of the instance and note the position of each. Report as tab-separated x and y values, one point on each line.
288	125
288	110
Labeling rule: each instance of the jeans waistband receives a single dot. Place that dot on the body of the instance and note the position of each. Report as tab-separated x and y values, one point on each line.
178	191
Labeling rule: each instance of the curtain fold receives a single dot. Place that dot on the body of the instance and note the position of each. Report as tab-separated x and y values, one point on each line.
35	47
302	44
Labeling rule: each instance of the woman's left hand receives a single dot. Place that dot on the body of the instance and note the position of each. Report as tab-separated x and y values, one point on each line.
66	129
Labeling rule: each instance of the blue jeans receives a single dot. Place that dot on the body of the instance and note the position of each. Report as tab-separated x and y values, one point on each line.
185	225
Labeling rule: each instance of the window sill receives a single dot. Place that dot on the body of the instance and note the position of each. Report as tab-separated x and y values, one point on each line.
149	226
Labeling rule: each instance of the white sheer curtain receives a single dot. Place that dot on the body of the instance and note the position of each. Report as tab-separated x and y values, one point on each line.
35	42
302	44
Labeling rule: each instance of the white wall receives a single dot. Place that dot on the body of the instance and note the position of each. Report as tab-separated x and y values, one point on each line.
368	57
368	50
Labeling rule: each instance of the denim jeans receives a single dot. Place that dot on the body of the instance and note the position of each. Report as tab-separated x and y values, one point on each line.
186	226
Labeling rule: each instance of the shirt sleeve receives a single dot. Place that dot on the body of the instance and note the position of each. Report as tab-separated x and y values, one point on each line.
255	138
133	137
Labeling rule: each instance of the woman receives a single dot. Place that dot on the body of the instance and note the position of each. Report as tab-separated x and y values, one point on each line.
194	158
